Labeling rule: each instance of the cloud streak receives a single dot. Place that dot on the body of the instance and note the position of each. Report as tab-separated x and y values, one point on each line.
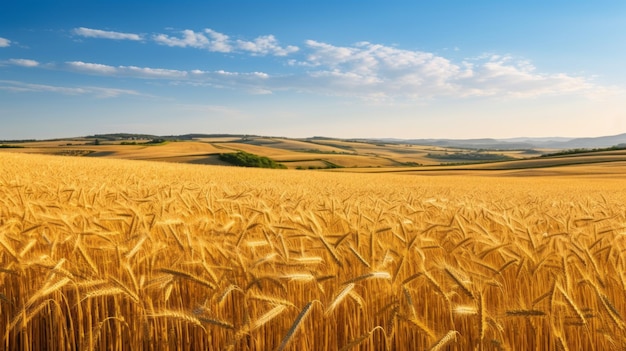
4	43
251	82
104	34
134	71
20	87
23	62
158	73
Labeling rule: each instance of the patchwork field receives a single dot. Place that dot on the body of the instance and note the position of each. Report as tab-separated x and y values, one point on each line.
316	153
109	254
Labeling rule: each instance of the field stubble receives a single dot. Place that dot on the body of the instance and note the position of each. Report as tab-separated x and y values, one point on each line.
110	254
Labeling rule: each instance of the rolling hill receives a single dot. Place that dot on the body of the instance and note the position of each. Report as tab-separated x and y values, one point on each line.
351	155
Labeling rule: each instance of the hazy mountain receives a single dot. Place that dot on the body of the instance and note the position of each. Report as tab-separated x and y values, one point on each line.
520	143
536	140
606	141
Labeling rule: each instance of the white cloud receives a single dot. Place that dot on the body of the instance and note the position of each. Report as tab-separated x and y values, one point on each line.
326	54
240	74
15	86
23	62
363	70
139	72
4	42
248	81
97	33
189	39
376	71
147	72
218	42
265	45
92	67
111	92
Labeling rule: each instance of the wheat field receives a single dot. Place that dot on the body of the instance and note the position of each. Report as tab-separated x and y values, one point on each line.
101	254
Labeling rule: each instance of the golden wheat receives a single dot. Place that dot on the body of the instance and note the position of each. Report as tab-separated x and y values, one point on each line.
112	254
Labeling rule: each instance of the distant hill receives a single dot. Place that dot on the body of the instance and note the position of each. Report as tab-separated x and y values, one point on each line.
129	136
520	143
386	155
606	141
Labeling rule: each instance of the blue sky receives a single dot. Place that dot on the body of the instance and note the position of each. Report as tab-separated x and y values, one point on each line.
404	69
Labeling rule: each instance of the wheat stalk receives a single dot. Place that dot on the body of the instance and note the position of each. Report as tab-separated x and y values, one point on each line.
188	276
179	315
444	341
482	317
296	324
460	283
361	338
339	297
268	316
524	313
573	305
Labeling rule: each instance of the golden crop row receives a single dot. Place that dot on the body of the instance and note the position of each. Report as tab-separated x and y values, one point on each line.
111	254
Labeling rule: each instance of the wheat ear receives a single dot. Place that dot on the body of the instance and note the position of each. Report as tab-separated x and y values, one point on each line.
340	296
445	340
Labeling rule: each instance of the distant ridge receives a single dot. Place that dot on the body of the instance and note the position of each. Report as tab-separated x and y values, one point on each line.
606	141
120	136
519	143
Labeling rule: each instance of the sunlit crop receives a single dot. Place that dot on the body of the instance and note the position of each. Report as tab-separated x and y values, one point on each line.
100	254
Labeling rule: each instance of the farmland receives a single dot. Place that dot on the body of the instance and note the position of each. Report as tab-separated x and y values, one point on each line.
317	153
106	254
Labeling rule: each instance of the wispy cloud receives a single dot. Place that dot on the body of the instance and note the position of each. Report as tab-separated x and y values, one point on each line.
503	75
363	70
148	72
105	34
139	72
4	42
162	73
251	82
23	62
382	72
15	86
218	42
261	75
95	68
207	39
